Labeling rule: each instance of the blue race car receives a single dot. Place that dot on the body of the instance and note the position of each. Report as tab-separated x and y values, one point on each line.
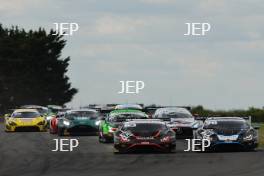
225	133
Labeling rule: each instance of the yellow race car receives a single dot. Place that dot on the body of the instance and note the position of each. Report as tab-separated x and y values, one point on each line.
25	120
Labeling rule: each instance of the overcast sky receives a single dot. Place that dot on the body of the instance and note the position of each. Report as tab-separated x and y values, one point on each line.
144	40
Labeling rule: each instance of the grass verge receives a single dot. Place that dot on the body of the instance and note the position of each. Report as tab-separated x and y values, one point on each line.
261	136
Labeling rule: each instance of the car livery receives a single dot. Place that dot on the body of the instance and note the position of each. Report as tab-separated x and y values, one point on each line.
110	123
228	132
144	134
178	119
78	122
25	120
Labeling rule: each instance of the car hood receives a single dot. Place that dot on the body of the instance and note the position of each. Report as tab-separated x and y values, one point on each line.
82	121
26	120
115	124
224	132
227	132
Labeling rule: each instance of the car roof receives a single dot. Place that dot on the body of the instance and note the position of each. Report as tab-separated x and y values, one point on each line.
81	110
226	119
127	111
150	121
25	110
128	106
33	107
167	110
55	107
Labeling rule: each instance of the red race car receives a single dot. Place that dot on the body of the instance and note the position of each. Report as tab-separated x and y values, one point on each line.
53	125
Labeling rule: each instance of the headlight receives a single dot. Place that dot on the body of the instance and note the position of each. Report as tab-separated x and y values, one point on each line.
49	117
195	125
12	123
111	129
124	138
165	139
248	136
210	137
67	123
97	123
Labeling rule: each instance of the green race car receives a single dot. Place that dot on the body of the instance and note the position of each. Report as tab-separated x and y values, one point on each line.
79	122
109	124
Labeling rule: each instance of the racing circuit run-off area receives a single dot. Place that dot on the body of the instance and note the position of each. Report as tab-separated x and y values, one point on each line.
138	145
30	154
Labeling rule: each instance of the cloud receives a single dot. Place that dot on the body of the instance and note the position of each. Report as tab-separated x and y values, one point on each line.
15	7
108	25
158	1
143	39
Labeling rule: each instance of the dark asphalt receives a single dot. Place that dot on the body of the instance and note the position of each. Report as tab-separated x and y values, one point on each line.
29	154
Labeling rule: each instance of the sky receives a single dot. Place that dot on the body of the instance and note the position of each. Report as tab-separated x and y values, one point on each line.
144	40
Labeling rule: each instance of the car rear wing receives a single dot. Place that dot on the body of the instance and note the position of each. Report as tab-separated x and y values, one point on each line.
105	110
200	118
144	119
248	119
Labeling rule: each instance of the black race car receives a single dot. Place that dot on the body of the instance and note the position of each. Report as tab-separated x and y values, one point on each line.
178	119
144	135
225	133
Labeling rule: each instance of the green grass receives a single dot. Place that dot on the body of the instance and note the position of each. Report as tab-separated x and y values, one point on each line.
261	136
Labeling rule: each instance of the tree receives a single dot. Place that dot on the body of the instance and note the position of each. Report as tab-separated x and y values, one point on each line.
31	68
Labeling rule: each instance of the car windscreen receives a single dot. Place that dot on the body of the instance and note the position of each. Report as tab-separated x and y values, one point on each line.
143	127
175	115
42	111
124	117
76	114
25	115
217	124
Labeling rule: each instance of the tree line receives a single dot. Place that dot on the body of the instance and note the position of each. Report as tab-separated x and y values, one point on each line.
32	70
257	114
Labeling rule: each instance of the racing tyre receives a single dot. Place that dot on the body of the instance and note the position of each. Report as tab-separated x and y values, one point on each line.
172	150
102	139
116	151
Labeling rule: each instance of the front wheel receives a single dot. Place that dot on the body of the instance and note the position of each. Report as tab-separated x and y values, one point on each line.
120	151
102	139
172	150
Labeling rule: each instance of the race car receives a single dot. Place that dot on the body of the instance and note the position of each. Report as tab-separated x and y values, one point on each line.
79	122
128	106
25	120
144	135
227	133
178	119
53	122
52	112
109	124
41	109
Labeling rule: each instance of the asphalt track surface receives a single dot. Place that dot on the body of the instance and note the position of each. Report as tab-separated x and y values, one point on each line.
29	154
